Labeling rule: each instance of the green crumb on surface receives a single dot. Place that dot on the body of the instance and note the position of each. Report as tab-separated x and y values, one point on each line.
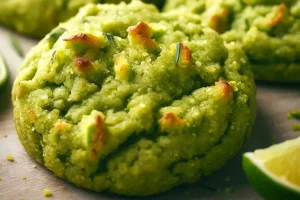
0	179
47	193
5	135
24	178
34	166
293	114
228	190
296	127
10	158
227	179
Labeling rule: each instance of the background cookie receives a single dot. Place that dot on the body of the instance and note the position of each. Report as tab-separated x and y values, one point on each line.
127	100
37	17
268	31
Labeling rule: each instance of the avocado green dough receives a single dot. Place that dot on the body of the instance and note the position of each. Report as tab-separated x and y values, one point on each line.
267	30
124	99
37	17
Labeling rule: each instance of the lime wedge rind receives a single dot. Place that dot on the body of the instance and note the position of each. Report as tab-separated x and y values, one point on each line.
267	184
271	176
3	71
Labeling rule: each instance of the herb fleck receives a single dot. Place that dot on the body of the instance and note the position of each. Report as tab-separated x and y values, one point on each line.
53	57
0	179
5	135
55	34
15	43
111	39
34	166
24	178
176	58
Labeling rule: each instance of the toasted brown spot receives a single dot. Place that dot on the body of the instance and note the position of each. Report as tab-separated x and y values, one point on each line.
226	89
140	35
85	39
31	115
121	67
185	56
83	64
100	136
219	22
279	15
62	127
170	119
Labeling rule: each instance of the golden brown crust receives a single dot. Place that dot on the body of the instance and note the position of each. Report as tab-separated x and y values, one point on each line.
140	35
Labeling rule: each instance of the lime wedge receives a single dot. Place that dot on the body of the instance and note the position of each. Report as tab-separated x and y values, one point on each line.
275	172
3	71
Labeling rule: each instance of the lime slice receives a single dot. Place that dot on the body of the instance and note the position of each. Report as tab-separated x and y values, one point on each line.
275	172
3	71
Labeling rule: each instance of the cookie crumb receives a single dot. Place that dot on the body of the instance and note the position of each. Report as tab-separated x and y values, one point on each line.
24	178
47	193
296	127
10	158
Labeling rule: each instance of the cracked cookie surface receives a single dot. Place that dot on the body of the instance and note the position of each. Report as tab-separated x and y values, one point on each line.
124	99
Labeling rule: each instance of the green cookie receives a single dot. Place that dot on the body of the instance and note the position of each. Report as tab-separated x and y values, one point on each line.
124	99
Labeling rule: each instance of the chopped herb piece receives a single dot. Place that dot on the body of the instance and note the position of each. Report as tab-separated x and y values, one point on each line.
5	135
34	166
53	57
0	179
176	58
111	39
3	71
55	34
10	158
15	43
24	178
296	127
47	193
293	114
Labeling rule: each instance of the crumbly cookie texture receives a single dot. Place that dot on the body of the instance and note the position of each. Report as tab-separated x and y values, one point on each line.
124	99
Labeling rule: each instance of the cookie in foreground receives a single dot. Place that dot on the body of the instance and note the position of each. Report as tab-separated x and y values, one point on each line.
124	99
